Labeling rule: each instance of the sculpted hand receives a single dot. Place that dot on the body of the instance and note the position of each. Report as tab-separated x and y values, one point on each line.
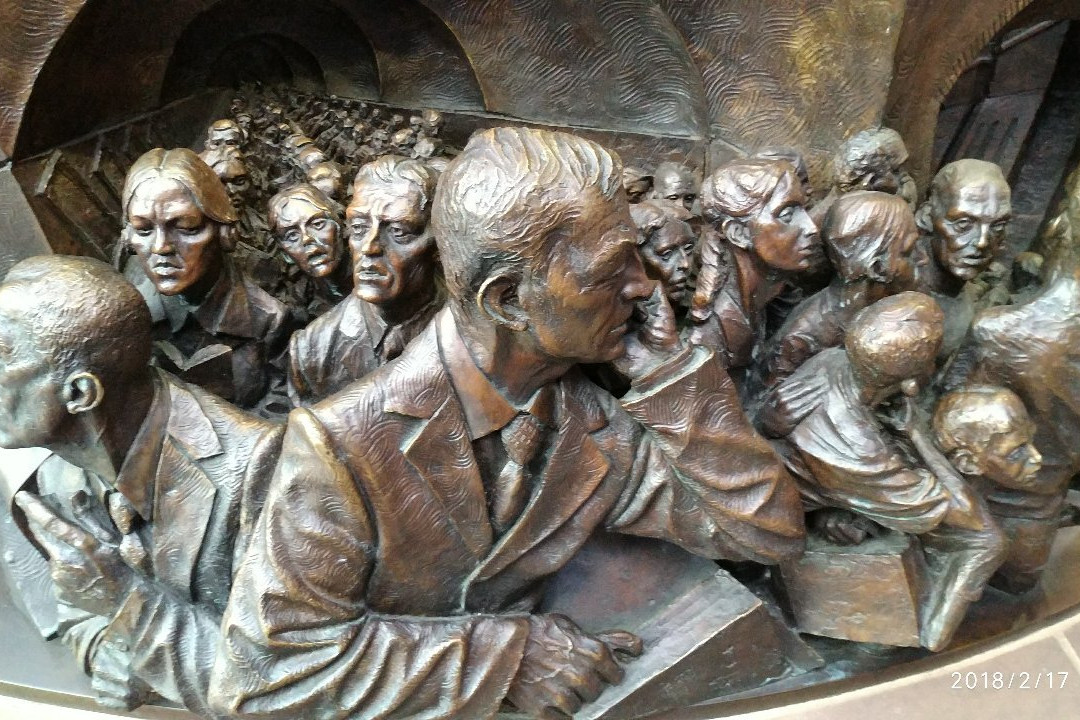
111	678
842	527
654	341
88	573
564	667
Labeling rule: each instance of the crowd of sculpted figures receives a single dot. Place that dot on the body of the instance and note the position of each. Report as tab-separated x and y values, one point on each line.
490	353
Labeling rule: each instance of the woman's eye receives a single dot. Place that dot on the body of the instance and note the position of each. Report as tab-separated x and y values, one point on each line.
786	214
963	225
319	224
144	231
190	230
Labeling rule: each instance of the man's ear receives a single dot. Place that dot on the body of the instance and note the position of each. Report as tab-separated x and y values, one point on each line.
737	234
83	392
924	218
964	461
498	299
227	237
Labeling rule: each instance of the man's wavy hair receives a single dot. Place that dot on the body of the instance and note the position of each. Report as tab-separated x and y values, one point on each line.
391	170
862	227
503	201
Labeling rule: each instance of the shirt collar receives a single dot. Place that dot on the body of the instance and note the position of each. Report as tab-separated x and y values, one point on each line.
138	473
486	409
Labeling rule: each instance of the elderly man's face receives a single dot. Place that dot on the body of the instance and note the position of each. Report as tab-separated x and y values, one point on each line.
1010	459
882	173
580	303
781	232
224	137
667	254
970	220
675	186
177	244
637	189
32	408
308	234
393	254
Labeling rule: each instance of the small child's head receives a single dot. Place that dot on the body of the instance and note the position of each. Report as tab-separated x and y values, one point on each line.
986	431
892	345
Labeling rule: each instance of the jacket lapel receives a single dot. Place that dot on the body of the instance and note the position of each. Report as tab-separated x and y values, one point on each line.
440	449
574	468
184	496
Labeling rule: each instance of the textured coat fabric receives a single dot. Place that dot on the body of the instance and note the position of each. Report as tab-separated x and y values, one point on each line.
342	346
198	507
375	586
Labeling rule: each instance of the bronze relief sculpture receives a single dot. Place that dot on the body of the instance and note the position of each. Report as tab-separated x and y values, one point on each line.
508	351
215	325
153	488
507	458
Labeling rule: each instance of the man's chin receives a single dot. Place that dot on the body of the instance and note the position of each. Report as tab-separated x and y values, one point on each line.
375	294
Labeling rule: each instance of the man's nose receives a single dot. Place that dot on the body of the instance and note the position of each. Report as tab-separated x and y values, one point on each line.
983	241
636	284
683	261
369	243
1034	457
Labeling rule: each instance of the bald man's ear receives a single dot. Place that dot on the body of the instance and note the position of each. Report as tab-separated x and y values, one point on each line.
498	300
83	392
924	218
964	461
227	237
737	234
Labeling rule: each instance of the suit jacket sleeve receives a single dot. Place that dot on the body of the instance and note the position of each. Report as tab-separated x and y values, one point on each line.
700	476
170	640
298	639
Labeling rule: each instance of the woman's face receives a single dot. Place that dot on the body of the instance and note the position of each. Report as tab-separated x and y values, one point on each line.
176	242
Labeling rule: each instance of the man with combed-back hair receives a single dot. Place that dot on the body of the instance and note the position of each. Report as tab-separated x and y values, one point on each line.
152	488
396	283
829	431
415	516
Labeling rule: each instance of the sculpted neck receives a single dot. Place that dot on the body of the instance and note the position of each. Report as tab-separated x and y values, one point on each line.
758	283
507	357
98	441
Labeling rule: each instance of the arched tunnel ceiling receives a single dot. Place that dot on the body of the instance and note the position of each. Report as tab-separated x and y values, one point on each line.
741	72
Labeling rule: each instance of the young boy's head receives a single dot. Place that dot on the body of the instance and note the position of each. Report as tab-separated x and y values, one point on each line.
893	344
985	431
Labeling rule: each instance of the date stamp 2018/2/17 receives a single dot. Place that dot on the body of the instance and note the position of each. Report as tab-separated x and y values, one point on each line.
1042	680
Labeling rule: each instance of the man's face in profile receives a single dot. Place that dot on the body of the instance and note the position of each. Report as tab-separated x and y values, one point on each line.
393	253
970	220
581	301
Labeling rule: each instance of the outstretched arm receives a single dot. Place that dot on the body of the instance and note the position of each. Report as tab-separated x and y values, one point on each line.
700	475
